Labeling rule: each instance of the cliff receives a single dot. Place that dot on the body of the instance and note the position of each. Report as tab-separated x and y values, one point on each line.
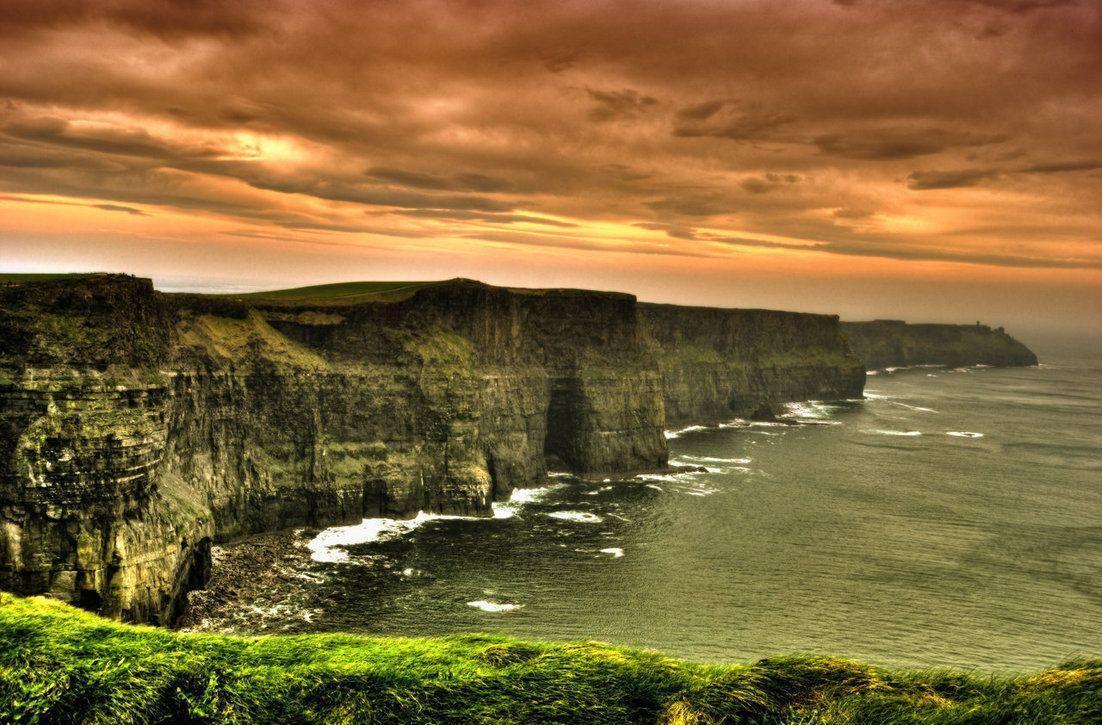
136	427
717	363
893	343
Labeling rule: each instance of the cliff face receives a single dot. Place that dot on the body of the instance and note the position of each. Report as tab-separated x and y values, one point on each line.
716	364
893	343
136	427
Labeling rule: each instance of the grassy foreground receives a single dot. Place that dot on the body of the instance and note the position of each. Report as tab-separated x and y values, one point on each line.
60	664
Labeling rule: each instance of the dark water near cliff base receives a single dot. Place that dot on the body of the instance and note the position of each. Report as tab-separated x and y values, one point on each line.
883	529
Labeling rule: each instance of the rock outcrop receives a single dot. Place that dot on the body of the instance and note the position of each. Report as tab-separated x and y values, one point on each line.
894	343
136	427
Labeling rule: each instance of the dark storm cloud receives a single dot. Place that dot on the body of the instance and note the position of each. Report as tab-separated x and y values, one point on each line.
120	208
166	19
700	111
768	182
375	196
495	217
612	105
457	182
1019	7
1053	168
736	125
121	141
564	242
812	119
899	143
923	180
676	231
699	205
104	207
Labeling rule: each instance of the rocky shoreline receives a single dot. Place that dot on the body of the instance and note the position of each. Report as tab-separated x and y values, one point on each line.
139	428
266	570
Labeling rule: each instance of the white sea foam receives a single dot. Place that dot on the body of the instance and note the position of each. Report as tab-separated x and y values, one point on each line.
495	607
668	477
873	395
328	546
919	408
893	432
872	372
808	409
963	434
528	495
519	497
671	434
614	551
655	487
583	517
713	459
735	423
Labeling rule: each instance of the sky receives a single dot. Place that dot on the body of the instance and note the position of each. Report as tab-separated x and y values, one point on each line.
931	160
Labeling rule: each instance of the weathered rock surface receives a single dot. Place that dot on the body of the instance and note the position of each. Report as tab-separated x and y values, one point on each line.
137	427
894	343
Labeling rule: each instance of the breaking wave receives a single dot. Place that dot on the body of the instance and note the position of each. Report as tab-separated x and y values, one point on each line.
714	459
487	606
328	546
671	434
582	517
519	497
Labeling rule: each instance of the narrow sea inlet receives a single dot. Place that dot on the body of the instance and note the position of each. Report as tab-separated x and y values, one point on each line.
952	518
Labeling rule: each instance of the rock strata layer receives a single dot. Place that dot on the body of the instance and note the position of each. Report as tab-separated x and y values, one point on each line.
137	427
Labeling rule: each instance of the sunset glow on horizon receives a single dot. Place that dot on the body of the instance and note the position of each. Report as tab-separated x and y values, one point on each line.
936	160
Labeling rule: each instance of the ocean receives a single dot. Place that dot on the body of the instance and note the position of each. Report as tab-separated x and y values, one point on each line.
951	518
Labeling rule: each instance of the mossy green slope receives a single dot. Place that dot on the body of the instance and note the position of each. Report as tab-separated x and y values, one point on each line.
58	663
339	293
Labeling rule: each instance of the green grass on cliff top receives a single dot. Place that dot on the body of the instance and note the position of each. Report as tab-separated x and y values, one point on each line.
20	277
337	293
59	664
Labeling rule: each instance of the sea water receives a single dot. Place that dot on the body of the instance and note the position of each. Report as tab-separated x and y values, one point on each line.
953	517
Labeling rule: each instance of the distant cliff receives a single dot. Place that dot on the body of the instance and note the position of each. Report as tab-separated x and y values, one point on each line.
716	363
893	343
136	427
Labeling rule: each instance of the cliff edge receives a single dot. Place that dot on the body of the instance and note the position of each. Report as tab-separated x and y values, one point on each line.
894	343
136	427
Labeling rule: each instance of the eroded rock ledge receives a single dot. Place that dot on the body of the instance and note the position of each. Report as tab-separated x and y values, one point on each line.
136	427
